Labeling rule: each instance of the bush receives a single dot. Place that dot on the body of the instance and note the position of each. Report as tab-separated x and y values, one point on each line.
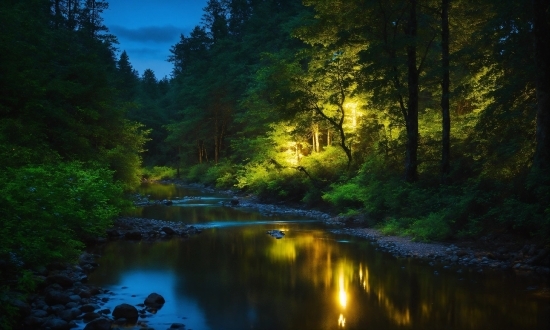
222	175
159	173
393	226
346	196
434	227
196	173
49	210
269	181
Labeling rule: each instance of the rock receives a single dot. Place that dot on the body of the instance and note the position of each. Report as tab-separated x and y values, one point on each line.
133	235
99	324
70	314
167	202
169	231
276	233
85	294
63	280
33	322
234	202
540	256
70	305
461	253
126	311
154	300
40	313
56	309
87	317
54	297
75	297
177	326
56	324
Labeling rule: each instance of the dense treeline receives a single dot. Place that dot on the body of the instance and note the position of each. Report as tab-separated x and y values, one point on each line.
431	117
68	149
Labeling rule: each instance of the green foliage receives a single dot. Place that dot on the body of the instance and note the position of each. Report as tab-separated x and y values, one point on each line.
197	173
433	227
394	227
346	196
269	181
48	213
222	175
158	173
51	209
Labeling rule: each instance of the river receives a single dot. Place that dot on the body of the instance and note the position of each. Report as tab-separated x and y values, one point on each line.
235	276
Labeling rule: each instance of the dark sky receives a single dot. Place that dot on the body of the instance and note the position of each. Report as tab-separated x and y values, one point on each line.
147	29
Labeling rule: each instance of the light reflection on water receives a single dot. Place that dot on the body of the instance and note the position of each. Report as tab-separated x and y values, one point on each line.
238	277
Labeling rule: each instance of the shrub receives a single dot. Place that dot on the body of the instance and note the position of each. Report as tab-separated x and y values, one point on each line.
434	227
346	196
196	173
222	175
158	173
393	226
48	211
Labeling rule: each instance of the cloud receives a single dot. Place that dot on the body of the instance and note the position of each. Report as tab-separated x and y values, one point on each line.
157	34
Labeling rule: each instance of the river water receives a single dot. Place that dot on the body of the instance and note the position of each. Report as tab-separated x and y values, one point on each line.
235	276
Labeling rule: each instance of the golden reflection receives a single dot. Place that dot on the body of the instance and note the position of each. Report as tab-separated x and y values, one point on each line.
341	321
283	250
342	295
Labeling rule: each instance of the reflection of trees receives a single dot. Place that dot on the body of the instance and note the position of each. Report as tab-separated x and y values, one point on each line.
243	278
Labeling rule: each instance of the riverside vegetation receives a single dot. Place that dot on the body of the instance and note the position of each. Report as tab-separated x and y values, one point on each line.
427	118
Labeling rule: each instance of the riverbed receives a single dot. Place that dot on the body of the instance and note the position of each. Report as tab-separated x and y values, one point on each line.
234	275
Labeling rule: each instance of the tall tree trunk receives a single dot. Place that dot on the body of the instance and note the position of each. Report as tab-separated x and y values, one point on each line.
446	119
411	155
541	29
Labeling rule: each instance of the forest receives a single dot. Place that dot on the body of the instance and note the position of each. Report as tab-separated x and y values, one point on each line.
424	118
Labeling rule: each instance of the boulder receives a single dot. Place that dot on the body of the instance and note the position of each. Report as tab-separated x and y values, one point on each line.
54	297
234	202
126	311
56	324
99	324
70	314
276	233
177	326
88	308
90	316
63	280
169	231
154	300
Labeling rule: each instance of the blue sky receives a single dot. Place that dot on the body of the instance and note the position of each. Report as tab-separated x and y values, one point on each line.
147	29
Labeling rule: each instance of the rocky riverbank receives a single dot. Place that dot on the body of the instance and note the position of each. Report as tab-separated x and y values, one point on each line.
64	301
496	252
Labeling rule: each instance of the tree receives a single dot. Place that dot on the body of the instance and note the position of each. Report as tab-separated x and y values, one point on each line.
445	81
127	78
541	29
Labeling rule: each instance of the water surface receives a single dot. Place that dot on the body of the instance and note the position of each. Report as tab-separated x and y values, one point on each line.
235	276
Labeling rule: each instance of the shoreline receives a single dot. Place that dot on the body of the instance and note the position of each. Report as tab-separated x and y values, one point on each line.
502	253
